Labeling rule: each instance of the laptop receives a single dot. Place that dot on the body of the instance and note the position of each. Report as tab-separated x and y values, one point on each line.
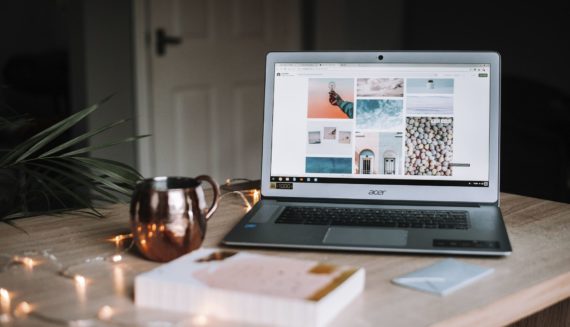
380	151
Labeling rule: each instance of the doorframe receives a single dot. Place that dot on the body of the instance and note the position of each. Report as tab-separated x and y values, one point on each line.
142	39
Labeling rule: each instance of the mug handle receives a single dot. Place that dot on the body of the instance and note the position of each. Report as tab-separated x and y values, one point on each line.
216	189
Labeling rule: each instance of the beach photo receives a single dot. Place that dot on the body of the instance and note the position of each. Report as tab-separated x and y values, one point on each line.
314	137
380	87
344	137
385	115
329	138
429	105
330	133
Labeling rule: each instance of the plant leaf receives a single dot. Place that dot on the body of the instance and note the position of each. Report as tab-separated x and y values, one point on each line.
49	190
94	179
106	145
115	166
103	177
11	223
102	168
39	140
63	188
47	212
82	177
81	138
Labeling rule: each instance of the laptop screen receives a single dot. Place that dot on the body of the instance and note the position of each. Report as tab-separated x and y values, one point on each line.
381	123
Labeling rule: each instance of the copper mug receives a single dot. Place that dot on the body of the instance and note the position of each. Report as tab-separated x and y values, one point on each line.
169	215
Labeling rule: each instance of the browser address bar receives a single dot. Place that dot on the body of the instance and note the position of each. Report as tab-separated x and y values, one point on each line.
391	69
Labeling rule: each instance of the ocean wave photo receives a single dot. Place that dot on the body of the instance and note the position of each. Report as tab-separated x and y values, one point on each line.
382	115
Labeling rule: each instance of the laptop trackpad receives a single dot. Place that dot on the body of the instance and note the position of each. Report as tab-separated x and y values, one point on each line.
368	236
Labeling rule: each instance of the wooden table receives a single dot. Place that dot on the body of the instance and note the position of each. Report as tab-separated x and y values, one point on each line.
534	277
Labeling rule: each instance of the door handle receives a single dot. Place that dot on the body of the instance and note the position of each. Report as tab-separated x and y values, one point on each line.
163	40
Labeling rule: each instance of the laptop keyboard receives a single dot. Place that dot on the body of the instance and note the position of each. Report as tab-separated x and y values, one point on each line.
396	218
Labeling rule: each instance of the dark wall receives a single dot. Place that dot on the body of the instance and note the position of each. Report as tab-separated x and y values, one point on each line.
533	43
531	36
532	40
33	60
354	24
60	56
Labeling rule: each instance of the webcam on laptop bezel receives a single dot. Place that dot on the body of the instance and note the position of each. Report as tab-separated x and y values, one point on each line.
380	57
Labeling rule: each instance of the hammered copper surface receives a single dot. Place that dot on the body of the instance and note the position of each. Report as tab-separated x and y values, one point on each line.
169	214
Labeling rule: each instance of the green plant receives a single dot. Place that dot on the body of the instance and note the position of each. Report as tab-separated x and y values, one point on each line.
42	176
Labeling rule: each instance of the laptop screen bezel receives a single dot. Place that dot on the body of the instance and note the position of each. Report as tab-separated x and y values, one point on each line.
489	194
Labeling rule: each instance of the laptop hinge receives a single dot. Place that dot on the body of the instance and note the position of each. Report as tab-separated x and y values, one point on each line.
376	202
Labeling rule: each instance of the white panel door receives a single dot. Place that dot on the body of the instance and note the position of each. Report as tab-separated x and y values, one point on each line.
207	91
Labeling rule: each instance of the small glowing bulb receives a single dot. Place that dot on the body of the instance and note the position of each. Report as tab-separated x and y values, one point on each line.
4	294
105	313
117	239
80	280
81	323
28	262
161	228
200	320
256	194
4	300
116	258
143	241
5	318
22	309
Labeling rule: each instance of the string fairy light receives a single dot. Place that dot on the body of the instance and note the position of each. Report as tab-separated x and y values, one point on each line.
240	194
22	309
254	193
25	259
200	320
4	298
256	196
106	312
5	305
5	318
80	280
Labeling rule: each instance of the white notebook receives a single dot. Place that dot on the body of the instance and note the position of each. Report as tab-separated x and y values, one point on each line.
251	288
443	277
